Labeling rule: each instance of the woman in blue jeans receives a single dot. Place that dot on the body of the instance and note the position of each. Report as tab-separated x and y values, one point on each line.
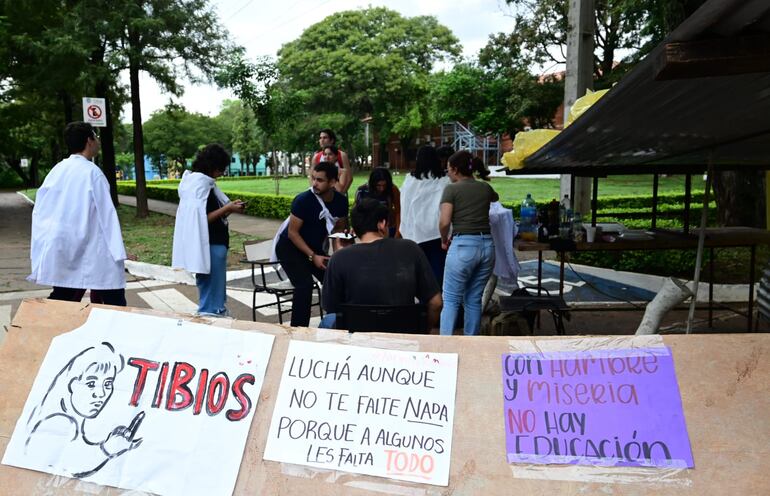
471	257
201	235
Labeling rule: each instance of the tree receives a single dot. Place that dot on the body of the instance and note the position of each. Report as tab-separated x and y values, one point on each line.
495	102
368	63
249	141
257	85
38	78
541	28
58	52
167	39
173	135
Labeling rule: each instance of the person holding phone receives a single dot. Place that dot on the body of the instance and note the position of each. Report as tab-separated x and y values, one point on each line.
201	235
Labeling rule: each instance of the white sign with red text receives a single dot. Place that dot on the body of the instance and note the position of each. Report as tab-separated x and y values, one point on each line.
369	411
143	403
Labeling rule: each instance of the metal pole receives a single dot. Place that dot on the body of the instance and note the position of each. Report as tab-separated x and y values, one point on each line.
701	242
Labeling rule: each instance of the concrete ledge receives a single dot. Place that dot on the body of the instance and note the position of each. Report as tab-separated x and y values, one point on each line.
29	200
160	272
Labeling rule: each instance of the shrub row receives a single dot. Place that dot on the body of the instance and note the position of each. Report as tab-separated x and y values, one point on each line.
278	207
268	206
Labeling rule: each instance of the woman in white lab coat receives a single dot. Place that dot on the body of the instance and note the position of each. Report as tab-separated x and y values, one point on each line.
201	236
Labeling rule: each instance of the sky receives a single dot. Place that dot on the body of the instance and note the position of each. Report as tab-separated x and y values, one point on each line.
263	26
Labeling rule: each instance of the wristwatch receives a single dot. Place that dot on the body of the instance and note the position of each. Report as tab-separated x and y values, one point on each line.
310	257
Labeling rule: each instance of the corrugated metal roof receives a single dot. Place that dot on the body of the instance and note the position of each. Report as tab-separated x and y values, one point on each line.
644	125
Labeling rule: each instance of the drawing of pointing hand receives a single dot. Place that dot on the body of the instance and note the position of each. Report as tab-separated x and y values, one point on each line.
122	438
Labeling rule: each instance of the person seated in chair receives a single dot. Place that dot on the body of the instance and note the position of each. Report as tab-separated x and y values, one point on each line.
378	270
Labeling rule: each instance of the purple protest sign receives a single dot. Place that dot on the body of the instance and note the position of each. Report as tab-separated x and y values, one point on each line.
598	407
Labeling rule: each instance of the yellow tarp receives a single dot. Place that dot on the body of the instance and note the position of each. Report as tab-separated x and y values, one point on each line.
582	104
525	144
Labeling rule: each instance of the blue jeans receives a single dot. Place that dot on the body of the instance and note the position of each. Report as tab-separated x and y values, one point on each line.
211	286
469	264
329	321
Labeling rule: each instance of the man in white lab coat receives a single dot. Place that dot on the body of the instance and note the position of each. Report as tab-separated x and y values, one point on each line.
76	239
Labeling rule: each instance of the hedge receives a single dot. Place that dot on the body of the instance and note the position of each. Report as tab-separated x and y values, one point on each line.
631	210
267	206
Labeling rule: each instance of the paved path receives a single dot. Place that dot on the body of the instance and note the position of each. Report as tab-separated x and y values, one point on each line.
15	226
15	222
245	224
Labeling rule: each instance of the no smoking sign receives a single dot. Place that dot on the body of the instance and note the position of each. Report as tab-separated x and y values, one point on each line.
94	111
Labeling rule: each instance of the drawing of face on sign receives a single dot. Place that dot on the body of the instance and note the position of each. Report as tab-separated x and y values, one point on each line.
84	415
92	389
78	393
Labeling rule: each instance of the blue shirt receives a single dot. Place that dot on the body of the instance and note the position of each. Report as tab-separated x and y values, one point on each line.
306	207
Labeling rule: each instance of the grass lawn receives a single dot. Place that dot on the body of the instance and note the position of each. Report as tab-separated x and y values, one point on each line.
510	189
151	239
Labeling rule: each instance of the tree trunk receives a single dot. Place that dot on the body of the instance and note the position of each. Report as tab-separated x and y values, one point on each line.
67	102
136	117
34	176
275	171
15	164
55	150
740	198
108	143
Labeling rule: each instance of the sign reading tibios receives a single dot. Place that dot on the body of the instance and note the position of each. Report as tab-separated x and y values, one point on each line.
364	410
143	403
599	407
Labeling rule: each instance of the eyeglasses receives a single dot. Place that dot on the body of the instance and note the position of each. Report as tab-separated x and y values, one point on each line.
95	135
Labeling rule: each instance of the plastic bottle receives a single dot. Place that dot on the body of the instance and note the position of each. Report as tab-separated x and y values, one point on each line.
565	211
528	224
578	233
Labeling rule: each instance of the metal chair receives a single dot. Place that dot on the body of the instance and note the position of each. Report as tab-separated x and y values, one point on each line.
407	319
278	286
522	301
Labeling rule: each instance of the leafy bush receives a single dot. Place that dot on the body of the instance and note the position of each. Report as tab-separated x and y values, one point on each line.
9	179
268	206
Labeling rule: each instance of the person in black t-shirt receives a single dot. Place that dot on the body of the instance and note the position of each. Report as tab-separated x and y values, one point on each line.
300	245
379	270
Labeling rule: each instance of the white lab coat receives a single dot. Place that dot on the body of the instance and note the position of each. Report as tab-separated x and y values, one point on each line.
420	208
191	229
76	240
503	231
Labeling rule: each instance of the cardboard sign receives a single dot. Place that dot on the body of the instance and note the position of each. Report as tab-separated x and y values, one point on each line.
143	403
365	410
95	111
602	407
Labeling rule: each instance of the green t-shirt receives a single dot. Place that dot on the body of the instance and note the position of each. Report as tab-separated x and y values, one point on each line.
470	200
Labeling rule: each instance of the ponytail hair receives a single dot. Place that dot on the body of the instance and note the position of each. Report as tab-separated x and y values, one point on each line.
466	164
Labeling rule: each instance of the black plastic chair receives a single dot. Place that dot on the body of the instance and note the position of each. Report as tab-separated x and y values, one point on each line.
407	319
281	288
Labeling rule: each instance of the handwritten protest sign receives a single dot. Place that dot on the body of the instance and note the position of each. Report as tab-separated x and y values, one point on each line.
601	407
364	410
144	403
